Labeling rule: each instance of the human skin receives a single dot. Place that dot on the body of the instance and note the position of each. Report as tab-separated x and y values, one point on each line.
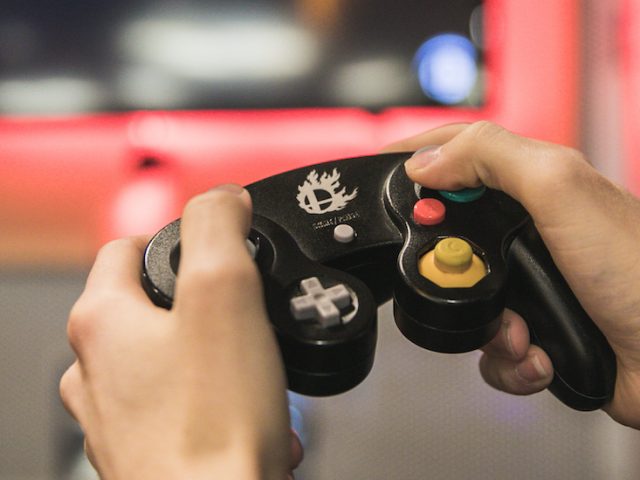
199	391
194	392
590	225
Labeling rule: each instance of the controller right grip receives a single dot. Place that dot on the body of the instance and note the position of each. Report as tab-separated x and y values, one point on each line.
584	363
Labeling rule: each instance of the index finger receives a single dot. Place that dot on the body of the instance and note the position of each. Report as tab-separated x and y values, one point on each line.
485	153
436	136
117	267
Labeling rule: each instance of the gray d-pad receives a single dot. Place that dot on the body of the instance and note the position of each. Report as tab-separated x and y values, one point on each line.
319	303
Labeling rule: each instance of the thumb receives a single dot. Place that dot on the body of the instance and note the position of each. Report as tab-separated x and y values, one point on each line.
485	153
588	224
213	252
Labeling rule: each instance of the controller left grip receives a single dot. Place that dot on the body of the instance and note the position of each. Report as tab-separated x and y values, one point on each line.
584	363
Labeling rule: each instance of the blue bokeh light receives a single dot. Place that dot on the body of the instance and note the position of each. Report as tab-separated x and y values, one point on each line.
446	65
297	407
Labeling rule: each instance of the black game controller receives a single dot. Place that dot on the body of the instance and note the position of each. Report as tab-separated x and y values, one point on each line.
335	240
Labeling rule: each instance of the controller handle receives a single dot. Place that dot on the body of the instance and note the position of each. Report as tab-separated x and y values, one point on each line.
584	363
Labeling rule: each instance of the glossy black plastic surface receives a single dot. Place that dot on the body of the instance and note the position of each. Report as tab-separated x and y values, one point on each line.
295	214
584	364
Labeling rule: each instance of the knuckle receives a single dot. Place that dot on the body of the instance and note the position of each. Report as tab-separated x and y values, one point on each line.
85	318
220	271
69	389
564	165
571	159
79	324
67	386
113	246
485	130
245	272
574	155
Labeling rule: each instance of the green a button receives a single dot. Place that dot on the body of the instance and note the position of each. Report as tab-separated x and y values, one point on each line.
465	195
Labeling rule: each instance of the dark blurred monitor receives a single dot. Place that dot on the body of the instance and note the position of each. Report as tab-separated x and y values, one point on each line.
76	56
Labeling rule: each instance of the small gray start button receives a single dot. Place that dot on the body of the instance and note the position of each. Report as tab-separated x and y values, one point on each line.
344	233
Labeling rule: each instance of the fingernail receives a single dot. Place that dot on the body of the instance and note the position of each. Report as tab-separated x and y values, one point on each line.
531	369
229	187
423	158
506	332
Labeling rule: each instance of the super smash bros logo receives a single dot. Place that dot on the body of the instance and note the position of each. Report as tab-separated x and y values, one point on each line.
322	194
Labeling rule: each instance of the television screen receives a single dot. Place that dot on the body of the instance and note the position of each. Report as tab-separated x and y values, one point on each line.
90	55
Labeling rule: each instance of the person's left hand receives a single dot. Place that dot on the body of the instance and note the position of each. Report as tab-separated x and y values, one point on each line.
195	392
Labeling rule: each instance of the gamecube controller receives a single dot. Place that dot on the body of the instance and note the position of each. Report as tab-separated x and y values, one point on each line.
335	240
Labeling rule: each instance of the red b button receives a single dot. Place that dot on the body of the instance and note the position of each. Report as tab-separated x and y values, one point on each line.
429	211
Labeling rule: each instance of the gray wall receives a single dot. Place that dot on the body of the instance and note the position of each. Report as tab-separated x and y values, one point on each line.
34	428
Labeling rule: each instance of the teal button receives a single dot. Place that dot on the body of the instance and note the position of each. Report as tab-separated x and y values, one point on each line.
463	196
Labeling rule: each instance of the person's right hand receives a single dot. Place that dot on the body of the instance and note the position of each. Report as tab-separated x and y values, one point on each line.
590	226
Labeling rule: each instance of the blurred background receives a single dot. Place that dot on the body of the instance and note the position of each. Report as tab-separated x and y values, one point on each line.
112	114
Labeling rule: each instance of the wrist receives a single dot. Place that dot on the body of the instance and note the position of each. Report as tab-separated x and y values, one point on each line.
237	463
240	464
